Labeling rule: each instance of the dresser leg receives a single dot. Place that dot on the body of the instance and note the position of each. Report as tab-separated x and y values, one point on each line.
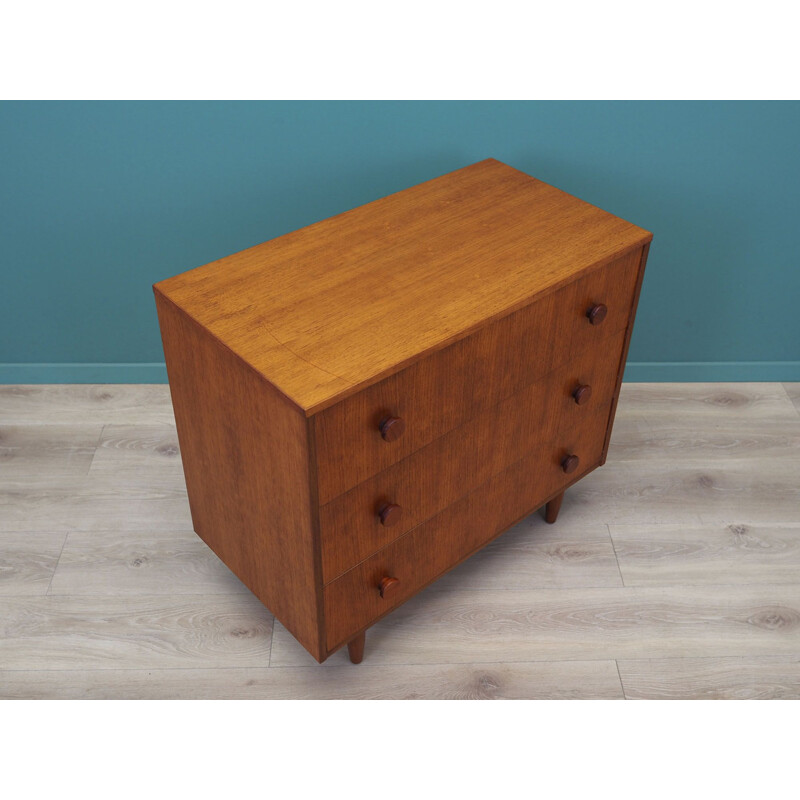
356	648
552	508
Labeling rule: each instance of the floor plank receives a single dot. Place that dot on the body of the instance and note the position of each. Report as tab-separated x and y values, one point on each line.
85	404
535	555
141	453
133	563
54	633
734	678
28	561
99	502
625	492
41	452
550	624
750	402
689	554
709	443
571	680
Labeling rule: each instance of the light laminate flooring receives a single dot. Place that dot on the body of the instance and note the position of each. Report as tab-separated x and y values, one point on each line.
672	572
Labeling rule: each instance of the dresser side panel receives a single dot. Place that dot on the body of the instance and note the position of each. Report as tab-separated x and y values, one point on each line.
624	357
246	455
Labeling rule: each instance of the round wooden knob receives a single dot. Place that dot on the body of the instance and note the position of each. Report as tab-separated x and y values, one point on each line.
389	513
597	313
582	394
392	428
570	464
388	585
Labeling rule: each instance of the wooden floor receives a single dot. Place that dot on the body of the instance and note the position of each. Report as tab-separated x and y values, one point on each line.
672	572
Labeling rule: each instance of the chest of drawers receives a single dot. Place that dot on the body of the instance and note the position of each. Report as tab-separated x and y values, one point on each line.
364	403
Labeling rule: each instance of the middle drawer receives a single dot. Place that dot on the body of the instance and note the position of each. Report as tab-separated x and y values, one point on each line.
360	522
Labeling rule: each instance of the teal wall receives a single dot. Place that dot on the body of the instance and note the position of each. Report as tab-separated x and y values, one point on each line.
99	200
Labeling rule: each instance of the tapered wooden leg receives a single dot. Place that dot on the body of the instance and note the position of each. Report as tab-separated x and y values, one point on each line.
356	648
552	508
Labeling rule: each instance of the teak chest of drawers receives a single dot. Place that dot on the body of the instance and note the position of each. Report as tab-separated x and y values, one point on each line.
364	403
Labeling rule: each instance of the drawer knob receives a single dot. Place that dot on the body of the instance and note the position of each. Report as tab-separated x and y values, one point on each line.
388	585
597	313
570	463
389	514
392	428
582	394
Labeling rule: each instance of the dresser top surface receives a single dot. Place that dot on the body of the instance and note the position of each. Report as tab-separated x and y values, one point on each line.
331	308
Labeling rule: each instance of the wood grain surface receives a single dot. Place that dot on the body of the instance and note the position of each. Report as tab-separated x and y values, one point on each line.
85	404
95	502
550	680
327	310
116	564
710	404
51	633
247	460
712	491
551	624
28	451
28	562
736	553
680	442
730	678
640	268
708	610
534	555
136	450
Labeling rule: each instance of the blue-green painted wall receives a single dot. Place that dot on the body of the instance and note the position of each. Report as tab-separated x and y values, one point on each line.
99	200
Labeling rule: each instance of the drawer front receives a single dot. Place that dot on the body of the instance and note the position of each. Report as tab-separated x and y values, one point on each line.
613	288
452	385
360	522
354	601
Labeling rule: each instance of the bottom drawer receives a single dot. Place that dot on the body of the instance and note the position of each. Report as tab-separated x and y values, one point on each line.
354	600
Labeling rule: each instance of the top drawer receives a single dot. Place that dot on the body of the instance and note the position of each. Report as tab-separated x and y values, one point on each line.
369	431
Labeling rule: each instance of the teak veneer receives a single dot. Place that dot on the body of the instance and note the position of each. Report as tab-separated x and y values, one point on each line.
365	402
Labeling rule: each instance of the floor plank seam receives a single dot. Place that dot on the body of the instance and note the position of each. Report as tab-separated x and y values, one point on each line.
463	592
749	657
606	587
621	684
58	561
271	643
786	392
96	448
316	668
84	671
616	557
605	660
100	531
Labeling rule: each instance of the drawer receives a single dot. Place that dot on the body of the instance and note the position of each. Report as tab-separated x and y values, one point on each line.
353	601
611	287
586	383
360	522
359	437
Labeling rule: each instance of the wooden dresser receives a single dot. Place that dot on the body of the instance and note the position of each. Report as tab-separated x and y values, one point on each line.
364	403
